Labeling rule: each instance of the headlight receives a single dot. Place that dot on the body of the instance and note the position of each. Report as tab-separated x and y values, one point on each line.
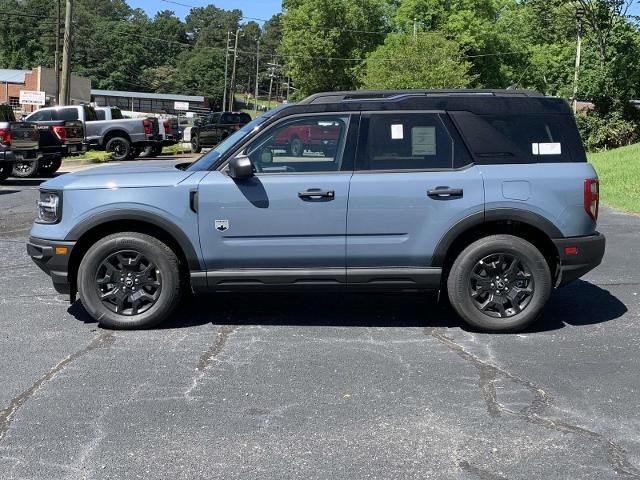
49	207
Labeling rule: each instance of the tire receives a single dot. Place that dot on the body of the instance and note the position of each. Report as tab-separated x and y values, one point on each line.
296	147
195	144
119	310
6	168
135	153
120	148
25	168
508	303
50	165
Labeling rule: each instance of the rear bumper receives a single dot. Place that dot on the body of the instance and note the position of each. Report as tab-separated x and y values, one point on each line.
29	154
7	156
56	265
588	255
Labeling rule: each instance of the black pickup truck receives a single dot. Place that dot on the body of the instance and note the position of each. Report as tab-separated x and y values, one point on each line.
59	138
209	131
19	141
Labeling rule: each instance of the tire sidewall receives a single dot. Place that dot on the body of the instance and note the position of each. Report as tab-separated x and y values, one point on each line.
155	252
459	288
297	149
195	144
30	172
6	168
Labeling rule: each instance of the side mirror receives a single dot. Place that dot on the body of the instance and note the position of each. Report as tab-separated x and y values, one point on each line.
240	167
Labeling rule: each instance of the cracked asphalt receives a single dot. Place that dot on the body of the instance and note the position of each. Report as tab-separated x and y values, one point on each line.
318	386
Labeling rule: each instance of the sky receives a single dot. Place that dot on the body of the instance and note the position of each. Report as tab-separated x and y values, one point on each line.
250	8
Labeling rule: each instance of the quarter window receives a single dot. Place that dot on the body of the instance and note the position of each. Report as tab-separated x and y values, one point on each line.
306	145
411	141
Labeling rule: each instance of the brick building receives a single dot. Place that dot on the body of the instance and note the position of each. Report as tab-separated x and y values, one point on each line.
39	79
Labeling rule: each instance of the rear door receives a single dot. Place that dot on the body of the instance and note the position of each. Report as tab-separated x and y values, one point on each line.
414	181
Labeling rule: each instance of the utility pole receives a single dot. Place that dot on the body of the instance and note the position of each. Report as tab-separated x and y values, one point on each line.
415	27
255	100
56	63
272	74
233	74
66	57
226	69
576	72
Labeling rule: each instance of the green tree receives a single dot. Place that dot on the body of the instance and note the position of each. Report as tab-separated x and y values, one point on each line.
325	42
435	63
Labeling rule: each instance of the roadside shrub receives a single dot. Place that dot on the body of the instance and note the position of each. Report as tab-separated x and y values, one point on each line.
610	131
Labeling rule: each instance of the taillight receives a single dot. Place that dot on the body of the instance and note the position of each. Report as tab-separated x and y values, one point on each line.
167	127
5	137
60	132
592	197
147	126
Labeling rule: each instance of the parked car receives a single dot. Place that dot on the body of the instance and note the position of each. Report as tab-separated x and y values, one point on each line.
486	196
123	138
208	131
19	142
58	139
298	139
170	136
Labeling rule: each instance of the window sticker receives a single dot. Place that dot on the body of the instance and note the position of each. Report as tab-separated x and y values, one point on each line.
546	148
423	141
397	131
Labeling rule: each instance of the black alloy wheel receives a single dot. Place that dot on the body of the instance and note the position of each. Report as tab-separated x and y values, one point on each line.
501	285
128	283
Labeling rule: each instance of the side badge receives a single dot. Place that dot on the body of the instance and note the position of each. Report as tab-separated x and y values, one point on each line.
222	225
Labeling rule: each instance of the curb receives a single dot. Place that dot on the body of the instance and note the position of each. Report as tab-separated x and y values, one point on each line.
86	161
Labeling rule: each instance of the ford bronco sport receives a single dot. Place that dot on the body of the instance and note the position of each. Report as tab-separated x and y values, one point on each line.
484	195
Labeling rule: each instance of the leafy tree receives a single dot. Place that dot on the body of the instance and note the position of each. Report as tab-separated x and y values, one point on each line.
325	42
435	61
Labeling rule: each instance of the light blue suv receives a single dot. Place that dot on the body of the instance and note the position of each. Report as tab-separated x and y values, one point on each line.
485	195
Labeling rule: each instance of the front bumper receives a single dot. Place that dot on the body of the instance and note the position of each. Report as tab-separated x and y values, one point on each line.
49	256
588	255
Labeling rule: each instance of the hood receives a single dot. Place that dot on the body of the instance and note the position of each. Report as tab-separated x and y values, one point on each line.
160	173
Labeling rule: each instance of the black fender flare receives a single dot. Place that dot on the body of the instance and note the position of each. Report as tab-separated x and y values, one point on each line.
489	216
193	260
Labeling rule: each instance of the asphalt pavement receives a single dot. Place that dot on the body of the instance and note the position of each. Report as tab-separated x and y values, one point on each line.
318	386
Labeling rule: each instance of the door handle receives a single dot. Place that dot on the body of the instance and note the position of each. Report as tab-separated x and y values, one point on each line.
444	192
316	193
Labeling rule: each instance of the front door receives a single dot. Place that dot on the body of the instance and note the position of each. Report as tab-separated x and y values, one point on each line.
287	224
414	180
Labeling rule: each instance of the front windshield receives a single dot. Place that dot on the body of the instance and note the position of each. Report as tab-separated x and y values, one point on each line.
209	159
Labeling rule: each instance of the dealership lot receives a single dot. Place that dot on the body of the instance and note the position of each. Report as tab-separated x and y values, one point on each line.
318	385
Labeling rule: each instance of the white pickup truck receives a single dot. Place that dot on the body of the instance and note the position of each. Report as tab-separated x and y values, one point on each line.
123	138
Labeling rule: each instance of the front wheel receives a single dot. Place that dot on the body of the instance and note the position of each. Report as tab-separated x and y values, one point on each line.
499	283
25	168
195	144
297	149
129	280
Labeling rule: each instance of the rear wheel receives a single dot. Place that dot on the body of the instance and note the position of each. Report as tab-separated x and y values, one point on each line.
49	165
499	283
120	148
297	149
5	170
129	280
25	168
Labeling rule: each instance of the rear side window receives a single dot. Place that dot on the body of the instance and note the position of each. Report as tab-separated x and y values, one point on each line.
40	116
67	114
235	118
521	138
408	141
116	114
101	115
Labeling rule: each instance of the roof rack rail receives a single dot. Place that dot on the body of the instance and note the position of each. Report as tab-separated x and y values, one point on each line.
360	95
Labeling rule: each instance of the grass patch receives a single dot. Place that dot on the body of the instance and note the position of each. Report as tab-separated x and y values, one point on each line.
91	155
619	172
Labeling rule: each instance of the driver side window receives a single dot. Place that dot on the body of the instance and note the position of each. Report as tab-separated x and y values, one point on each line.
305	145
